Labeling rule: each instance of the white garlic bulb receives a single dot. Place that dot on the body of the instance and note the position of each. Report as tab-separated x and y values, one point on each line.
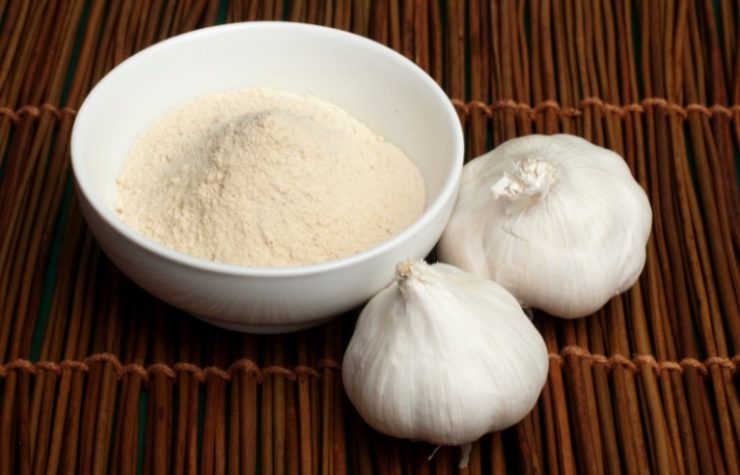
559	222
443	356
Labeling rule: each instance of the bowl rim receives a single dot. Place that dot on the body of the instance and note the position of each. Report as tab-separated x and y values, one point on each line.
449	187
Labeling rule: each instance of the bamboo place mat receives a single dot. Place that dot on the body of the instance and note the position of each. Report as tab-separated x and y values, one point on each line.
98	377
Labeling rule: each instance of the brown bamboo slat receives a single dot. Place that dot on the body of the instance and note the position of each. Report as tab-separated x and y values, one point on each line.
92	382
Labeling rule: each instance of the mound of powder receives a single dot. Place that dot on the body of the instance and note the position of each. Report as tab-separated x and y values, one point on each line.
267	178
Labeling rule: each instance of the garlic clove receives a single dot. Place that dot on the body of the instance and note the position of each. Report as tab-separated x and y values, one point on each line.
443	356
556	220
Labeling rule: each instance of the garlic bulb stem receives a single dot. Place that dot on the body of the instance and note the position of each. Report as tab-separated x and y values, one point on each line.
408	271
404	270
532	176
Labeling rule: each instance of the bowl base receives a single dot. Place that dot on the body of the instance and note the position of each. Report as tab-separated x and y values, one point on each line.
265	329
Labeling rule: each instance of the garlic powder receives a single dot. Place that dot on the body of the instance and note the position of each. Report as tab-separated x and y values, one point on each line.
266	178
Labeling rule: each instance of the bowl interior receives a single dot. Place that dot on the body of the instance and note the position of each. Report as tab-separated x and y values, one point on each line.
379	87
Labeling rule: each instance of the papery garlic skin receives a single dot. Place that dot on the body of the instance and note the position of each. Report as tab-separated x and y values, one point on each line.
443	356
559	222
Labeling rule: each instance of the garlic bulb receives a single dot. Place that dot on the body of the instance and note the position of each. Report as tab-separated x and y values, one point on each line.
559	222
443	356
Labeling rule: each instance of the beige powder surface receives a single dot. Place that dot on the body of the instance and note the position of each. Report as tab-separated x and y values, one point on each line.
267	178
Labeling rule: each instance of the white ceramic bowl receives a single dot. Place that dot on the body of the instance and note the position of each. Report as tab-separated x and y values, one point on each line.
381	88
